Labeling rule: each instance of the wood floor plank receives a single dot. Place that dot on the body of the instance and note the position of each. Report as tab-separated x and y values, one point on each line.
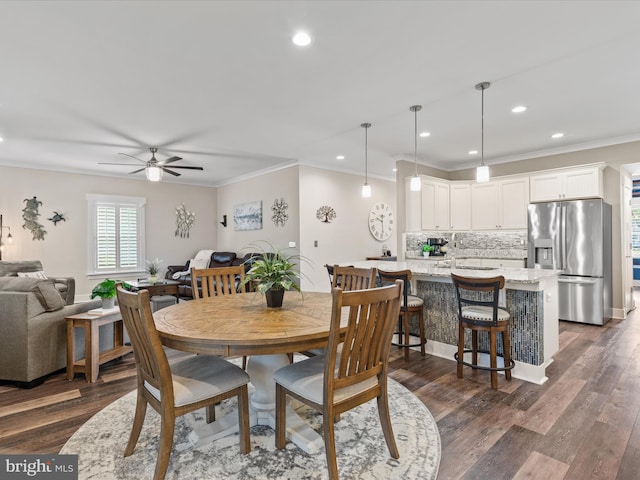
544	413
542	467
600	455
38	403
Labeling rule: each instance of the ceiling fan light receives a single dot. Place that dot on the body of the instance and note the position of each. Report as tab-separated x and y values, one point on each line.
416	184
154	174
482	174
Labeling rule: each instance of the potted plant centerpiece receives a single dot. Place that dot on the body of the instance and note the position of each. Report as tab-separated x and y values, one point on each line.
106	290
153	269
272	272
426	249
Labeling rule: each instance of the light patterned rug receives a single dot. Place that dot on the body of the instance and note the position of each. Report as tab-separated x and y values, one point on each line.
361	449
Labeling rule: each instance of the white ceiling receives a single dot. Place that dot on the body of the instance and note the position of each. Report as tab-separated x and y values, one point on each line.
221	85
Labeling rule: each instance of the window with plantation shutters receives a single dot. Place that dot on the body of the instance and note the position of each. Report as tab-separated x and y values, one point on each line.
116	243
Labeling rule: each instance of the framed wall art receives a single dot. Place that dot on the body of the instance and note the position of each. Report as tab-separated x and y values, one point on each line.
247	216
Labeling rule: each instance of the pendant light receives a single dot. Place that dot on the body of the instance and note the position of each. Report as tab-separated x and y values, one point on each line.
366	188
416	183
482	172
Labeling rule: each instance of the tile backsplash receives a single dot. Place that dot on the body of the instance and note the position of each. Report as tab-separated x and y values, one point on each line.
511	244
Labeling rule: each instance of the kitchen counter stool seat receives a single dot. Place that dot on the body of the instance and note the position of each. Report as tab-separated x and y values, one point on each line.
478	311
411	305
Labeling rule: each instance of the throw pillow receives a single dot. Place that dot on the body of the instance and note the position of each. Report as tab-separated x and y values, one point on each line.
44	290
39	275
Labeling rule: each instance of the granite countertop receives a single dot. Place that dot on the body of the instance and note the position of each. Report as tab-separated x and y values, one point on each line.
430	269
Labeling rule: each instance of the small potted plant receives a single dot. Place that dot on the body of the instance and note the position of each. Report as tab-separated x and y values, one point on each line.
426	249
272	272
106	290
153	269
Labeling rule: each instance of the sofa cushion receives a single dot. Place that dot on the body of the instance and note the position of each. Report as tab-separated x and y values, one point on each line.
44	290
222	259
11	269
39	274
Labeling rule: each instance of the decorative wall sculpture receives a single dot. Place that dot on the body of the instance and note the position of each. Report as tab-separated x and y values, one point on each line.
279	209
184	221
247	216
30	215
325	214
57	217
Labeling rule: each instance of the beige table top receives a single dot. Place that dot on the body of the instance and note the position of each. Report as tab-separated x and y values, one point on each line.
243	325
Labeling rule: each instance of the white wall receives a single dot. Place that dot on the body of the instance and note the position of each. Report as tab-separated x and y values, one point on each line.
265	188
64	248
346	238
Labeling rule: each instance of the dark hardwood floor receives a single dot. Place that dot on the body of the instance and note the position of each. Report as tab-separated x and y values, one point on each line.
582	423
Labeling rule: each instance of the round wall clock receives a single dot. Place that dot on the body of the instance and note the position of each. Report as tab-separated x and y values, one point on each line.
381	221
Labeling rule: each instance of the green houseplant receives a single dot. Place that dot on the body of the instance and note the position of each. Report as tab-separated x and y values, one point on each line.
106	290
153	269
427	249
272	272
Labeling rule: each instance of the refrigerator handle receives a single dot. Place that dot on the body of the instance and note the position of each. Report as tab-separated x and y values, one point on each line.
563	237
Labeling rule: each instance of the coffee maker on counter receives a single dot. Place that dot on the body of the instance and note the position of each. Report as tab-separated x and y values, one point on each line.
439	246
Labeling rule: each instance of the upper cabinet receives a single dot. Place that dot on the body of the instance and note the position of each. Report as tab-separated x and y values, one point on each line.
435	205
500	204
573	183
460	206
413	207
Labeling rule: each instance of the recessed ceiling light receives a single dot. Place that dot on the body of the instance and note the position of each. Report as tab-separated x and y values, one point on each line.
425	134
519	109
340	157
395	169
557	135
1	139
302	39
473	152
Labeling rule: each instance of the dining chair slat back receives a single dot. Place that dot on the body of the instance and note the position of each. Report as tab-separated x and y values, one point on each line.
353	278
209	282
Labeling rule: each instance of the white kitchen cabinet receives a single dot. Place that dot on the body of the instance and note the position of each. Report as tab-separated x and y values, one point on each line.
460	206
435	205
567	184
500	204
413	208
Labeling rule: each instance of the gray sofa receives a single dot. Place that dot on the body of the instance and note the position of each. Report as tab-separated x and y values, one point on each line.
32	323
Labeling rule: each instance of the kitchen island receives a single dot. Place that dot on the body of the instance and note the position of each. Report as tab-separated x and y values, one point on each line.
530	296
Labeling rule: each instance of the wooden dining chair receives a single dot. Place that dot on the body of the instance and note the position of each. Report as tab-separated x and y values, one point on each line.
411	306
335	383
209	282
353	278
173	390
479	312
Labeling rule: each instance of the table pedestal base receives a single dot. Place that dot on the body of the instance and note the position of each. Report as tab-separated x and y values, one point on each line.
262	409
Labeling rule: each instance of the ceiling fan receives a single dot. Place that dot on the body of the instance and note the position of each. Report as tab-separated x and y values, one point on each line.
154	168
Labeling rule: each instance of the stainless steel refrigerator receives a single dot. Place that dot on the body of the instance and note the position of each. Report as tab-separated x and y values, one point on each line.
575	237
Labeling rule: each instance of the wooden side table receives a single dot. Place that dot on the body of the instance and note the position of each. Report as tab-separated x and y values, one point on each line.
91	321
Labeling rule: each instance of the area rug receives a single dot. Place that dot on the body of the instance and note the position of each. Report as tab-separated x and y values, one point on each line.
361	450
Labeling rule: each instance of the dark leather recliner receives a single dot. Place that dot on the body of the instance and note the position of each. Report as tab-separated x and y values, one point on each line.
218	259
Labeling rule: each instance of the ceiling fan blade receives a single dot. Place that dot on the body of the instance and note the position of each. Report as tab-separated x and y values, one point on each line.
175	174
137	171
131	156
107	163
169	160
187	168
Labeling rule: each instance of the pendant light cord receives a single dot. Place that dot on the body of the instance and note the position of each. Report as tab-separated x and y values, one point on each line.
415	109
366	158
482	129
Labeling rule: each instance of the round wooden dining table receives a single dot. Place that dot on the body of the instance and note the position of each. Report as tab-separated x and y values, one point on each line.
230	325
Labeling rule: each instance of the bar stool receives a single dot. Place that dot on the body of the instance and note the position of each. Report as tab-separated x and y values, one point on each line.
411	305
478	311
